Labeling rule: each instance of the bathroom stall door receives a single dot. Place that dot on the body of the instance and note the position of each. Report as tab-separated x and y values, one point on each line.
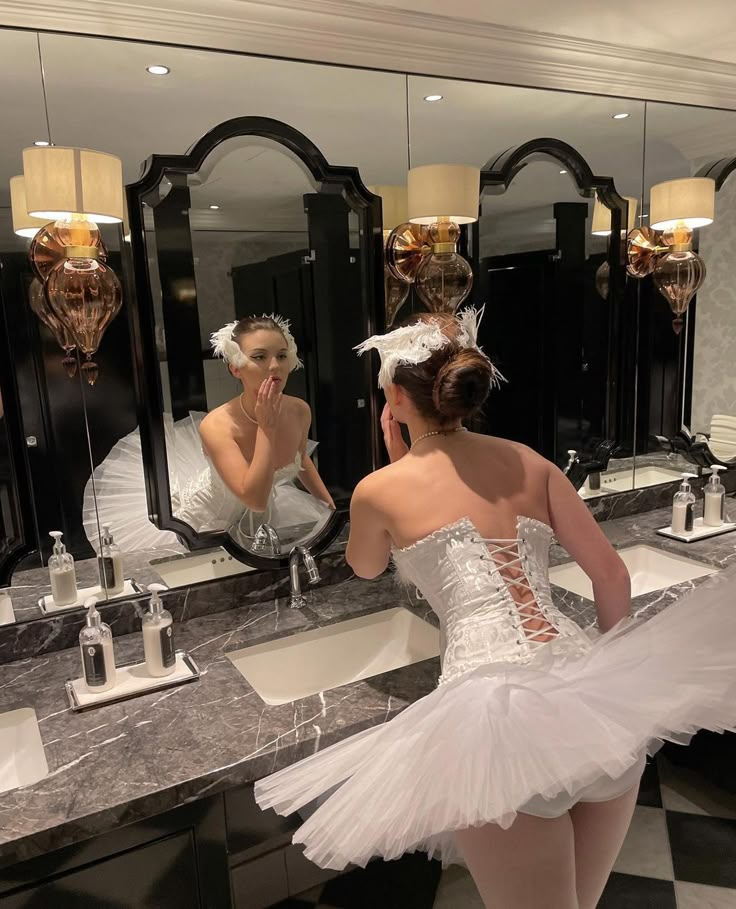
515	333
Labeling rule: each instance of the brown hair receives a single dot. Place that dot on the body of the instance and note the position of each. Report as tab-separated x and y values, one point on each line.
453	383
248	324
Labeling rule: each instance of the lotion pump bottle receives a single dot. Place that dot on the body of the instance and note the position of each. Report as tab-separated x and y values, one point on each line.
98	657
158	636
714	508
682	506
110	560
62	573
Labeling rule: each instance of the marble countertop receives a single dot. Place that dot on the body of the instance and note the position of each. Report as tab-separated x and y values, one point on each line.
118	764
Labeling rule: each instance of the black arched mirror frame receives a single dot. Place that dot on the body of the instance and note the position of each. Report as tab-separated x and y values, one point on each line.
345	181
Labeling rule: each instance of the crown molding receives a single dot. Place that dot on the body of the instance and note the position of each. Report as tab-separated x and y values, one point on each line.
352	33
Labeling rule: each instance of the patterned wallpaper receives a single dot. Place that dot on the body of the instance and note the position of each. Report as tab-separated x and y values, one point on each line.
714	370
215	253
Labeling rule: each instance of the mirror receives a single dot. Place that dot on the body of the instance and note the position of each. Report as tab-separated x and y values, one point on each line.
559	322
342	111
255	239
711	390
686	381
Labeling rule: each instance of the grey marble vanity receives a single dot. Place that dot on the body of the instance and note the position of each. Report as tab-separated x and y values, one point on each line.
116	765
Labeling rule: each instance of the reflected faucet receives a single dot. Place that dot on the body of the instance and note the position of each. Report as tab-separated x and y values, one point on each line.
266	540
578	470
297	599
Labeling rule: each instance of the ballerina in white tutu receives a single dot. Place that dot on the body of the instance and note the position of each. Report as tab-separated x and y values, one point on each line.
231	469
524	762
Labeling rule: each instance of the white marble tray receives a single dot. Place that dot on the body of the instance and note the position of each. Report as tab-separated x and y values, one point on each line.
700	531
48	607
131	680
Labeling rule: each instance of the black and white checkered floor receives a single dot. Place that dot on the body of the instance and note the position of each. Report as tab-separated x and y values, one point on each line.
680	853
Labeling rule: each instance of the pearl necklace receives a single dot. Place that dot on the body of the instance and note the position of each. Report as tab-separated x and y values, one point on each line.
245	412
439	432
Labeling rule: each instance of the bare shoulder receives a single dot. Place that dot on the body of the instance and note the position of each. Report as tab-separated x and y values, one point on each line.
377	487
218	421
297	406
506	448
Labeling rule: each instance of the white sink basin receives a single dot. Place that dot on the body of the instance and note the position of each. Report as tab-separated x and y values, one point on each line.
625	480
295	667
22	758
202	566
650	569
7	616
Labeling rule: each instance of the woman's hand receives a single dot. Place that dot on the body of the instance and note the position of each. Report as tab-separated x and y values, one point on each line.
268	405
394	441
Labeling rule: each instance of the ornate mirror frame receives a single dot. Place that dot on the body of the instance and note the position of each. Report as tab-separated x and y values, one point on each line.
345	181
500	172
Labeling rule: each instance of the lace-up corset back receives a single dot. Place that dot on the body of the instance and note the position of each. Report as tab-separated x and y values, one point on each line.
492	597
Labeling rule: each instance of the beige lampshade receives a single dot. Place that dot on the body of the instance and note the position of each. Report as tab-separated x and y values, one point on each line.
395	204
691	201
63	181
23	224
443	191
602	217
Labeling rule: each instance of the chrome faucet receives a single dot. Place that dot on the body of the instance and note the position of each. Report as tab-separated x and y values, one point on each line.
297	599
266	540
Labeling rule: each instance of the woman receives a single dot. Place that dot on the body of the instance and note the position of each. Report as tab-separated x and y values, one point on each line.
257	442
231	469
524	762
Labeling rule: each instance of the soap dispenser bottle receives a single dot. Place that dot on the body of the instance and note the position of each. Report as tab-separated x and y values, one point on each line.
62	573
98	656
714	509
110	561
158	636
682	506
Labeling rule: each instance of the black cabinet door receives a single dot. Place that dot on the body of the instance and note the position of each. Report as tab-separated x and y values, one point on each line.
176	860
156	876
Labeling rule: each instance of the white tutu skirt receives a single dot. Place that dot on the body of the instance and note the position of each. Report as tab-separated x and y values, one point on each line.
480	747
115	495
199	496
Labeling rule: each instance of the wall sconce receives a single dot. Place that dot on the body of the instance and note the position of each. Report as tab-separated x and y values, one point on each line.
395	209
70	190
601	227
424	250
664	249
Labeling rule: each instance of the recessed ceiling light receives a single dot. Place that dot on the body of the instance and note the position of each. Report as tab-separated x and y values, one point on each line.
620	116
433	97
42	143
214	207
158	70
563	171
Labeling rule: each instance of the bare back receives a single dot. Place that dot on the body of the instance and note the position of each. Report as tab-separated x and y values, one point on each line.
489	480
493	482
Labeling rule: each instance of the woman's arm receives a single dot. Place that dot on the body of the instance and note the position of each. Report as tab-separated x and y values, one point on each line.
580	534
251	483
309	476
369	545
312	481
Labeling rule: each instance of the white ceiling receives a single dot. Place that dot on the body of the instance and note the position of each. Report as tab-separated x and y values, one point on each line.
356	117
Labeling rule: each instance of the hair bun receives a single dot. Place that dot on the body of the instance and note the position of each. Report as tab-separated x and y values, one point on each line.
462	385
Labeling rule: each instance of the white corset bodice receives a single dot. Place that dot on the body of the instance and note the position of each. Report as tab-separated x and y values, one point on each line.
492	597
205	502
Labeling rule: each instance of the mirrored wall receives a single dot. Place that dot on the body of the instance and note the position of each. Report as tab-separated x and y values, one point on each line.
597	376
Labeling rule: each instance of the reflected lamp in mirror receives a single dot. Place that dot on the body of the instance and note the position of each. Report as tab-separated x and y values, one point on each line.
394	207
601	227
441	197
77	188
24	225
677	207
